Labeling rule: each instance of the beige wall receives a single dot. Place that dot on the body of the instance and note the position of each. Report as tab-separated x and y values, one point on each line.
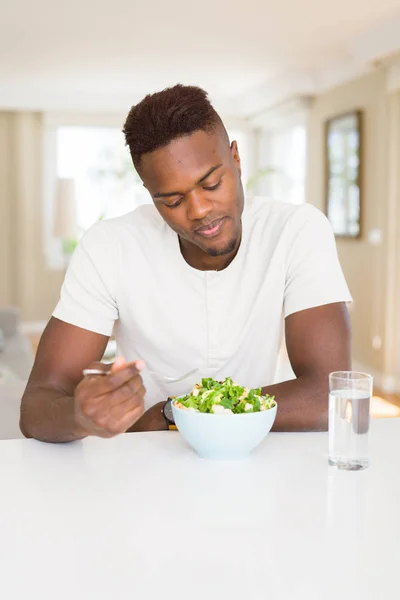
6	280
26	281
364	265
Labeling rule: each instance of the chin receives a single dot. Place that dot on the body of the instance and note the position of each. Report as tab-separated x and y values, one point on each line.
223	248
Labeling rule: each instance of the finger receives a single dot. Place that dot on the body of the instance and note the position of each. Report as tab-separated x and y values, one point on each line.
94	404
120	395
116	413
136	386
120	418
103	405
117	380
99	385
120	363
130	419
123	422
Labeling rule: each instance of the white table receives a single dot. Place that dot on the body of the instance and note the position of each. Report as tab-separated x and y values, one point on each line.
141	517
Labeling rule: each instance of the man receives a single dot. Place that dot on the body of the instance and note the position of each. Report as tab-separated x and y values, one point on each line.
203	279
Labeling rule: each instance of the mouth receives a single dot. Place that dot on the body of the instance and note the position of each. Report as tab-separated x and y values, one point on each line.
212	229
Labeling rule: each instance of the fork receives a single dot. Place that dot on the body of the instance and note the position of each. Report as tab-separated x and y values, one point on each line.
165	378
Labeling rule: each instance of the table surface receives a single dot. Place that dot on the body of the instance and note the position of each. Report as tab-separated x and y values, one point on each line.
141	516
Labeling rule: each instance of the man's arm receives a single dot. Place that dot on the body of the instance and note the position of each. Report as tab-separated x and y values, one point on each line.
318	343
60	406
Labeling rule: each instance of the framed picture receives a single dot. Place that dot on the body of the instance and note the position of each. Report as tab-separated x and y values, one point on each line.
343	152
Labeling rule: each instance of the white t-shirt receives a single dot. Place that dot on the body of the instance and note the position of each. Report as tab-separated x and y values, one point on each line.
130	271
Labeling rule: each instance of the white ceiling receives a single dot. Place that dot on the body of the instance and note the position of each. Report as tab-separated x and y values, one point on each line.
105	55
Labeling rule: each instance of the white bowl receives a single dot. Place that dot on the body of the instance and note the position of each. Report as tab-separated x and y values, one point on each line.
223	437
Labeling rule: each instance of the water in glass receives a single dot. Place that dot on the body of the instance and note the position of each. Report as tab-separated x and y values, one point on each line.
349	417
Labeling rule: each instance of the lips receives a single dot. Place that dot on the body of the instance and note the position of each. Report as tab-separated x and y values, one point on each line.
212	229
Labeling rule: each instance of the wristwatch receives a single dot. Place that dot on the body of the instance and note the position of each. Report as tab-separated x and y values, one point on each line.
168	416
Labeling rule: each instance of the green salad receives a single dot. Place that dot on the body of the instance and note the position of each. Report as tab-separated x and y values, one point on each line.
224	397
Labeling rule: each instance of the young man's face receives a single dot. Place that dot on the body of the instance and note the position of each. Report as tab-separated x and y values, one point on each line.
196	186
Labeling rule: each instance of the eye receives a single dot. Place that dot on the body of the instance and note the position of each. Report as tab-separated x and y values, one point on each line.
213	187
174	205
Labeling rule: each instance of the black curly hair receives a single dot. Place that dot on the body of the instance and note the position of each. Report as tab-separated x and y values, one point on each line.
165	116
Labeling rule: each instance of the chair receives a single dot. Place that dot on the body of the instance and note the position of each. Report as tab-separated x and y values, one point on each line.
16	360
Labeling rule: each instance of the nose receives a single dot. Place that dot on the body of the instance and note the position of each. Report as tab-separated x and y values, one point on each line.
198	206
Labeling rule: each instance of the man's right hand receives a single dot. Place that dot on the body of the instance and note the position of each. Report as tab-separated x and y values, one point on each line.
106	405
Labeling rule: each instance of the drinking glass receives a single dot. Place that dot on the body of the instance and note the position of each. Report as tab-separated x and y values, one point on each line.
350	395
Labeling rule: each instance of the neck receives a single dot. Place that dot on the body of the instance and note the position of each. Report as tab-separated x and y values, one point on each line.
202	261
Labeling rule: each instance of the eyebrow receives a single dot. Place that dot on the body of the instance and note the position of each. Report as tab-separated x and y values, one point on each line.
203	178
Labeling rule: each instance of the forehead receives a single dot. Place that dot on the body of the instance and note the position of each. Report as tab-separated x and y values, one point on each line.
184	161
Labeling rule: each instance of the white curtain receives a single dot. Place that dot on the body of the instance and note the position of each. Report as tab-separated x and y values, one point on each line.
25	281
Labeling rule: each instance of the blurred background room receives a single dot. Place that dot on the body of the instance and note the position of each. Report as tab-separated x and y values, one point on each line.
310	90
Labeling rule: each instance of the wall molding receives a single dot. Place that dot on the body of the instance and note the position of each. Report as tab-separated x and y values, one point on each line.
393	78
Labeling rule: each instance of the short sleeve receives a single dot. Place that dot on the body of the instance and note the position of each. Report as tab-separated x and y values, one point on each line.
87	297
314	276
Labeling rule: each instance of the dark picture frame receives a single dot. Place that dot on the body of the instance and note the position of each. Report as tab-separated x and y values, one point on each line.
343	170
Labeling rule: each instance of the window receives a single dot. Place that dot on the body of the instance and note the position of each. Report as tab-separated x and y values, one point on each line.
282	165
106	183
343	150
281	150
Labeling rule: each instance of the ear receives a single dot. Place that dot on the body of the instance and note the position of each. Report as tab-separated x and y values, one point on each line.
235	156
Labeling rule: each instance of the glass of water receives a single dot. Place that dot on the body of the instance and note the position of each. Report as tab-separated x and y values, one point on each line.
349	416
